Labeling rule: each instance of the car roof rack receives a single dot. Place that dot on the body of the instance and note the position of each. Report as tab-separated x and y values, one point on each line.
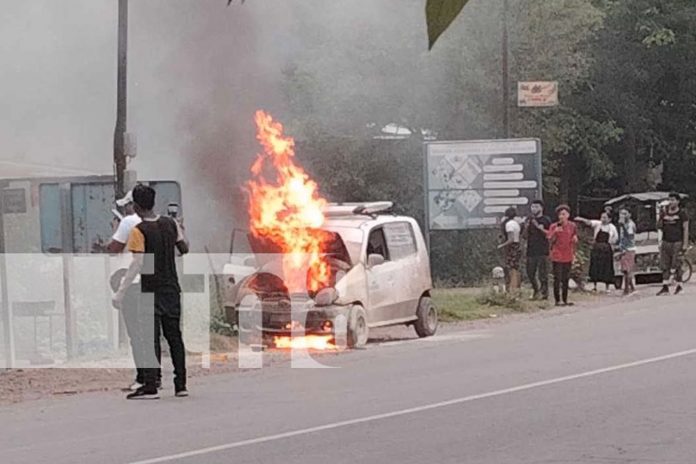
357	209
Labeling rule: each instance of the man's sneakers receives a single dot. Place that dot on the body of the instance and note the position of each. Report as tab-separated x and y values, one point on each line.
663	291
135	386
679	290
143	393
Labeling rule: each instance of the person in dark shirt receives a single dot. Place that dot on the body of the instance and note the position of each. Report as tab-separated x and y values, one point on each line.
538	250
153	243
674	224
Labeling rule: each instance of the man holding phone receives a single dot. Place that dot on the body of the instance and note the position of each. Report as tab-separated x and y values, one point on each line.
153	243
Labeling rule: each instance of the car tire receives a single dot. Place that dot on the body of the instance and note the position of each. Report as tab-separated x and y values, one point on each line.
358	331
618	282
428	321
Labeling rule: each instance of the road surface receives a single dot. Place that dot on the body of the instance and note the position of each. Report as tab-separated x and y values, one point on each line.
599	385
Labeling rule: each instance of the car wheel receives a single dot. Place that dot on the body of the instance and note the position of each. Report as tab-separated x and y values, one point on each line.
618	282
427	322
358	331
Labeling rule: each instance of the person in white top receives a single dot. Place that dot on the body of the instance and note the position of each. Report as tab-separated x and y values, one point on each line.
606	236
120	237
513	251
130	306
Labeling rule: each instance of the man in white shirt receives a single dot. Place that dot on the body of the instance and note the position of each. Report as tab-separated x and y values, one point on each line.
120	237
130	307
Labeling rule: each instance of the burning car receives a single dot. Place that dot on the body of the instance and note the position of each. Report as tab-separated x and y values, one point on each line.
377	274
326	273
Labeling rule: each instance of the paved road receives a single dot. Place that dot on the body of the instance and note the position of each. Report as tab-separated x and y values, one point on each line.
604	385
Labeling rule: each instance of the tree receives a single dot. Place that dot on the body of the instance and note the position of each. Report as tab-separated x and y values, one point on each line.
644	77
551	42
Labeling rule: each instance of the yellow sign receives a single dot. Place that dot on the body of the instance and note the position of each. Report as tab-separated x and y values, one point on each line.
537	94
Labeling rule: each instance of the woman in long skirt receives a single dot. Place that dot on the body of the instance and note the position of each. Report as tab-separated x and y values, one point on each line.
602	257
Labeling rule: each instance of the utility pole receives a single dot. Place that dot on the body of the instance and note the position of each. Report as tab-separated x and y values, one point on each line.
121	99
506	70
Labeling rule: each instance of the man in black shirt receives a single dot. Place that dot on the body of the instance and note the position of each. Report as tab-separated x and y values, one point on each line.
538	250
674	224
153	243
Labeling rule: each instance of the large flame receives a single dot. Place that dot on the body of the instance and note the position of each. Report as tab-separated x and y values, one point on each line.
285	207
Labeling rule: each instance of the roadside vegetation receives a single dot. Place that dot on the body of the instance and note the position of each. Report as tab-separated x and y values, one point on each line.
467	304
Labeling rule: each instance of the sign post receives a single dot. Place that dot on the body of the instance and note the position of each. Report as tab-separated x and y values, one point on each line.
470	184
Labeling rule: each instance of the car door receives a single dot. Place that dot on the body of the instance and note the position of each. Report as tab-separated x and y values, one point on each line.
401	243
381	279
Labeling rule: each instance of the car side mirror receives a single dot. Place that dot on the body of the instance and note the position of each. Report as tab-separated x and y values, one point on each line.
375	260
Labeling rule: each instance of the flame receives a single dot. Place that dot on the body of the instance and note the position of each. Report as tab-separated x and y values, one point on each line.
308	342
285	207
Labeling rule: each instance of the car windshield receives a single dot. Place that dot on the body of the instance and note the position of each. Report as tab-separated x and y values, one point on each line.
352	239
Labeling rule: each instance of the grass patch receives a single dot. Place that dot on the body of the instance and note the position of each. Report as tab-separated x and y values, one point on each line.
466	304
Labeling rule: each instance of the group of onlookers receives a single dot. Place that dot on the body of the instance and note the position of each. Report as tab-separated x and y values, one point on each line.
549	245
552	246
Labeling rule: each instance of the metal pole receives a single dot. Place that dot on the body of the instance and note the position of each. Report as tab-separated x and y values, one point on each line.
121	98
506	71
426	195
67	245
8	334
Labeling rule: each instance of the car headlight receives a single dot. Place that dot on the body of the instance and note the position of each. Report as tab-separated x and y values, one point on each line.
326	297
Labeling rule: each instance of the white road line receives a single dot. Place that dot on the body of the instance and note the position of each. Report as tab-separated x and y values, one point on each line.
403	412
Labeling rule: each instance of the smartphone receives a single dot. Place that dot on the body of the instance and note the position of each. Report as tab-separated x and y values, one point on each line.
173	210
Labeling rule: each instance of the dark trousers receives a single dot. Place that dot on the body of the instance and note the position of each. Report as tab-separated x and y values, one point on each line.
561	280
671	260
163	319
538	274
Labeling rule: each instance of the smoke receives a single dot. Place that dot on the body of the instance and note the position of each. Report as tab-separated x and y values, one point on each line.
206	68
197	72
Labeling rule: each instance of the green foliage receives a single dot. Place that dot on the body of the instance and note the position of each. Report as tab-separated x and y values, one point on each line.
218	322
439	14
218	325
507	300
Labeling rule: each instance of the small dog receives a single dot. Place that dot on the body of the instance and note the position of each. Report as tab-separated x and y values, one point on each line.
498	276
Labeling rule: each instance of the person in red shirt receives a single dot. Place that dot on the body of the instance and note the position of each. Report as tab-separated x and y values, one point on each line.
563	237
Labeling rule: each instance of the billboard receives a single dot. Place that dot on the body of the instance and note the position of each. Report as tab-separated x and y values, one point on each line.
537	94
470	184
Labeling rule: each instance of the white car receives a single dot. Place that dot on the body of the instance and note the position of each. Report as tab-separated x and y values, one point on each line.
380	276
